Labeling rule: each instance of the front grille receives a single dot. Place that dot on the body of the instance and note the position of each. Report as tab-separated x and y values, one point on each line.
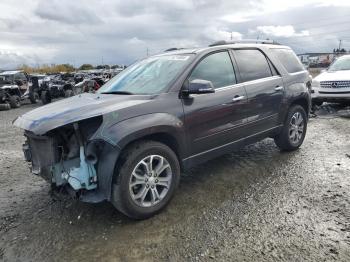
335	84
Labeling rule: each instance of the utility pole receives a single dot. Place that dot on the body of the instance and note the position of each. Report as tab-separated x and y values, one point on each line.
339	44
147	52
231	36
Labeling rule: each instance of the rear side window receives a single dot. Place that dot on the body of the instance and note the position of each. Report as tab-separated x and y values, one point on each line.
216	68
289	60
252	64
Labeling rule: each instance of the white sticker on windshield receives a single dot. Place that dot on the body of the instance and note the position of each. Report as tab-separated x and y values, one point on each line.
179	57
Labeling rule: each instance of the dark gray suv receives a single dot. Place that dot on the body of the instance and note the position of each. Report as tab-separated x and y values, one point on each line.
128	142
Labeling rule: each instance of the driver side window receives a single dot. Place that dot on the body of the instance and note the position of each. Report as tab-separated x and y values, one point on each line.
216	68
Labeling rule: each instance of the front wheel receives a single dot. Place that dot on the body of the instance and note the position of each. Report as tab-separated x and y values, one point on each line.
15	101
146	180
294	129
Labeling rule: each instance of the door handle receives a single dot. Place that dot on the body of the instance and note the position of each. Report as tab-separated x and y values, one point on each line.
237	98
278	88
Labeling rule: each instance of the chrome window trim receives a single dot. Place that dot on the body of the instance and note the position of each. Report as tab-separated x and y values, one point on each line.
256	81
242	84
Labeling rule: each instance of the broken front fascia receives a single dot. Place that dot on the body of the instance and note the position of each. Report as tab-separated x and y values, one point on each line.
79	175
43	153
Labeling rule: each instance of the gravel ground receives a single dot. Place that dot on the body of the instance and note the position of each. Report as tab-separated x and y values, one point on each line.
257	204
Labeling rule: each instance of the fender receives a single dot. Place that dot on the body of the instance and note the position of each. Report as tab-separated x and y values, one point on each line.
119	135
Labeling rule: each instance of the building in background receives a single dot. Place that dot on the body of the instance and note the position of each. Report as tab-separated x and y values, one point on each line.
316	60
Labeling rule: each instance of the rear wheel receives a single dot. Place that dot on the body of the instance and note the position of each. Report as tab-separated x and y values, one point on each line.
45	97
294	129
15	101
34	97
5	106
146	180
68	93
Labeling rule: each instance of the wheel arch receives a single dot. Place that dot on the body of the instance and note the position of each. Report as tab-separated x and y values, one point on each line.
304	102
160	127
161	137
67	87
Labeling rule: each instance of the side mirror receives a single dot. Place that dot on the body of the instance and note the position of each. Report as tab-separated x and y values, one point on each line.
199	86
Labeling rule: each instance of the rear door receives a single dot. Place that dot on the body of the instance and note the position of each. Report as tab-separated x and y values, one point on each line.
264	87
212	119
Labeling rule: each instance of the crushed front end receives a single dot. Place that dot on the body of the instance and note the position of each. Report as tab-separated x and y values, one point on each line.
65	156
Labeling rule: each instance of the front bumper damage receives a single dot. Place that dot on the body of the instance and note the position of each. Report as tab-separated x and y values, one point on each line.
54	149
44	154
83	169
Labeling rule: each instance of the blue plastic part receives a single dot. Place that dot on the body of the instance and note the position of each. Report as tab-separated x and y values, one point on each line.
79	177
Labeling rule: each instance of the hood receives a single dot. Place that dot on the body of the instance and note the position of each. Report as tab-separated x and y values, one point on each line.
73	109
343	75
7	86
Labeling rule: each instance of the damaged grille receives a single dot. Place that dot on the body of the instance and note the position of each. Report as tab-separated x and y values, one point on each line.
335	84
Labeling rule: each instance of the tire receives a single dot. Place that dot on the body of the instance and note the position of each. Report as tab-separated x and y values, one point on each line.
5	106
15	101
45	97
286	141
68	93
34	98
124	195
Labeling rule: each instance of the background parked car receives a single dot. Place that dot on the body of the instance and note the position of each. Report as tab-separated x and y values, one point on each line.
15	86
55	86
333	85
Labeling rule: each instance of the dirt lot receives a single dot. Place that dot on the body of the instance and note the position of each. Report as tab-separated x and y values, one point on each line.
254	205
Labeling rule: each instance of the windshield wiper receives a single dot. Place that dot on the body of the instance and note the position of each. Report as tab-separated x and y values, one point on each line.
118	93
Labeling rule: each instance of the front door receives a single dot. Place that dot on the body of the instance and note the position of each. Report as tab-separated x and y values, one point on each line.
212	119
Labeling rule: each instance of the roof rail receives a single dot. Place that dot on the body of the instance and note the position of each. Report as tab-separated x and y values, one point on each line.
246	41
173	49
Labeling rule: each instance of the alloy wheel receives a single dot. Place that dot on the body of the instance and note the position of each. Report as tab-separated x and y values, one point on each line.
150	181
296	128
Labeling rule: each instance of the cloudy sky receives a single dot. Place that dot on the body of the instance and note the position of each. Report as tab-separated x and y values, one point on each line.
120	32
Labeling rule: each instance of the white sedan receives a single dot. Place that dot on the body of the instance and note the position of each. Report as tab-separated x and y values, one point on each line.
333	85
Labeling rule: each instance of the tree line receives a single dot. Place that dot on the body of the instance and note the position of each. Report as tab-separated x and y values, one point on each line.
53	68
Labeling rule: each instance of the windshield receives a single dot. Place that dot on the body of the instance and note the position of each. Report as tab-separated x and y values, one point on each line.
149	76
340	64
6	79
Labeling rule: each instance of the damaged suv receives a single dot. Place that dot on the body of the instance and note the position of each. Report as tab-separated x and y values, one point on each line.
128	142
